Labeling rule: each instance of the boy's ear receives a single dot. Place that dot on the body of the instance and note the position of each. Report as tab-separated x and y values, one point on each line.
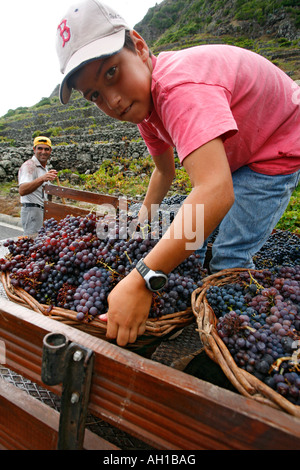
140	45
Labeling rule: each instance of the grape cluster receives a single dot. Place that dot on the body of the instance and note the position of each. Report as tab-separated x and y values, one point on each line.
90	297
177	295
166	211
259	321
281	248
75	263
226	298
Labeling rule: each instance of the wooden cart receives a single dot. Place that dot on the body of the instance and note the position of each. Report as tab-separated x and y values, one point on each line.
163	407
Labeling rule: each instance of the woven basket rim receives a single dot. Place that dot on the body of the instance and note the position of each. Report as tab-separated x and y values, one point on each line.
245	383
155	327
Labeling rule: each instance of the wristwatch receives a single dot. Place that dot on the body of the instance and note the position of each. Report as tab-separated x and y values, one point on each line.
155	280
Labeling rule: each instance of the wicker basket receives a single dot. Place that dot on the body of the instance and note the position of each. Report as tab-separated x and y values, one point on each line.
244	382
155	328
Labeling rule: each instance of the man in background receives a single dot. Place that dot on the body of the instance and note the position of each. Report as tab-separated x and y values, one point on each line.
32	175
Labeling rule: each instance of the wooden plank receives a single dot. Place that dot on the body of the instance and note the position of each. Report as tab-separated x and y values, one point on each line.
161	406
80	195
28	424
60	211
25	423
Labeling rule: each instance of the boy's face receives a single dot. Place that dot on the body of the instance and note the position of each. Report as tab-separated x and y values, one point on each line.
119	85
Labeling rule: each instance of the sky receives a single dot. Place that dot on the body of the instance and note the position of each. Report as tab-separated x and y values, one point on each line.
28	60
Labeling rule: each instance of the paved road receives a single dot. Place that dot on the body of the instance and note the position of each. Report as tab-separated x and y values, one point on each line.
9	231
10	227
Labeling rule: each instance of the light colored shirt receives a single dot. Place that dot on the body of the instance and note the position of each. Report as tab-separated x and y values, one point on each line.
213	91
28	172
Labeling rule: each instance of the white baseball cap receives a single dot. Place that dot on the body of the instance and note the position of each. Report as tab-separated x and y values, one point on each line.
90	30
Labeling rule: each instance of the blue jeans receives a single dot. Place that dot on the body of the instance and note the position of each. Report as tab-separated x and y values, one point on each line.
260	201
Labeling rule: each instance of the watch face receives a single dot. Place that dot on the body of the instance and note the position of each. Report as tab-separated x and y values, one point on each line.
157	282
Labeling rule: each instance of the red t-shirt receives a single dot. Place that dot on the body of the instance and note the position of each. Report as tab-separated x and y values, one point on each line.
213	91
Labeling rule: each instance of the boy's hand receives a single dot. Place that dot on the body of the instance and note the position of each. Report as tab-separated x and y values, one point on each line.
129	306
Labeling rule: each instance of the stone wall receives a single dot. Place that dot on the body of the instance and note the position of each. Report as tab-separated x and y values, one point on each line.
81	135
82	157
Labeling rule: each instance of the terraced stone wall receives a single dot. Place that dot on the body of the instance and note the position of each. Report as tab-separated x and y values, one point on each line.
81	135
84	157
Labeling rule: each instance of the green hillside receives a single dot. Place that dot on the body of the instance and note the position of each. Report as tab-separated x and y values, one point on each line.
177	19
270	28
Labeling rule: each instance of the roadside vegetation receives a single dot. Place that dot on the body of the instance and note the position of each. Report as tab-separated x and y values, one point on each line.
131	178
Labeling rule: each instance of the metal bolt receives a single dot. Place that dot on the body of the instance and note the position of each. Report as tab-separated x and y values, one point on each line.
77	356
75	397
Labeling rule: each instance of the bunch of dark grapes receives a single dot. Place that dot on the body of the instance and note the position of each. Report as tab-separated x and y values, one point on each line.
62	262
226	298
165	213
281	248
44	265
259	321
90	297
176	297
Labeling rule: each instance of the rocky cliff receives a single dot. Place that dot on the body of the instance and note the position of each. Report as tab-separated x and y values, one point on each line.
238	18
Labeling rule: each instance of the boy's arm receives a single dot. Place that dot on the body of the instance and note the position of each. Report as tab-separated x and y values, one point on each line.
130	300
160	182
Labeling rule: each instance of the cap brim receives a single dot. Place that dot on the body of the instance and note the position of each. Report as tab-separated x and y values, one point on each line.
96	50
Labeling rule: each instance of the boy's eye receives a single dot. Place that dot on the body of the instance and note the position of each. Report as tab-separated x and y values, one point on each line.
94	96
110	73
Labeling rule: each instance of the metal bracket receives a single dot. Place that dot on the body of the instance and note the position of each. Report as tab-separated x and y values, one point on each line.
72	365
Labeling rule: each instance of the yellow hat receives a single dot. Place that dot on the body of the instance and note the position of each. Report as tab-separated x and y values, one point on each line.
42	140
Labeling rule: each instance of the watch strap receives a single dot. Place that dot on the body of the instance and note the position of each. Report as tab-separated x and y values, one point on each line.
142	268
148	274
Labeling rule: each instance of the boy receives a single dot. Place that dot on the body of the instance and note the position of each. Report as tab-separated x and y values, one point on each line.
230	114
